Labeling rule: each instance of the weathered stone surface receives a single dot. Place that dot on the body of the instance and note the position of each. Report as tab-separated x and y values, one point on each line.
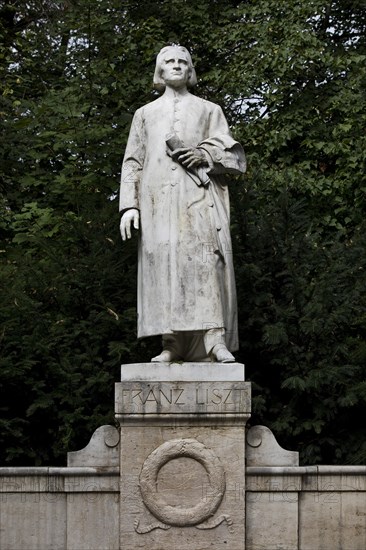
96	484
332	519
54	508
182	397
272	501
342	478
274	479
30	521
263	449
194	509
183	372
329	503
186	286
59	508
102	450
272	521
182	389
183	485
93	521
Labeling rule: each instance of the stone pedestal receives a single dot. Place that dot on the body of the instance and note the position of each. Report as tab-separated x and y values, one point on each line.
182	455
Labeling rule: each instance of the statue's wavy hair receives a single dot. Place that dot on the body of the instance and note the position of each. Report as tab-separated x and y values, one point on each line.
159	83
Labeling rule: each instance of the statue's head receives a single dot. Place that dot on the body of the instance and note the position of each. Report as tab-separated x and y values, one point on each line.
163	56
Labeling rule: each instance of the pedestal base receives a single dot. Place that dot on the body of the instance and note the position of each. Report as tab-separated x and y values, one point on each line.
183	455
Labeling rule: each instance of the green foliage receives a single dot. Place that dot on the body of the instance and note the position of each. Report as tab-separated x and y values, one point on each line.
303	329
291	78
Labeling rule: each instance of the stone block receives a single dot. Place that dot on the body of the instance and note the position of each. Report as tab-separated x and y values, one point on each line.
33	520
181	398
23	480
102	450
272	521
93	521
263	449
272	493
332	519
183	372
97	483
183	456
272	479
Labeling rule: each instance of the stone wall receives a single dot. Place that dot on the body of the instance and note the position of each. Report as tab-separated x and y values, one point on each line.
306	508
181	471
59	508
288	507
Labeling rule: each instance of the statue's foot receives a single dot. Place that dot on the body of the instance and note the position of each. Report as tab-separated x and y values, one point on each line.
166	356
221	354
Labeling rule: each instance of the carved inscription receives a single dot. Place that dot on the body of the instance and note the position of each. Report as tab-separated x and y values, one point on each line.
182	397
154	395
206	396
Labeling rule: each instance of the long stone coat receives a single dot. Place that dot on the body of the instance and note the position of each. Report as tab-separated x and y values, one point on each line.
185	269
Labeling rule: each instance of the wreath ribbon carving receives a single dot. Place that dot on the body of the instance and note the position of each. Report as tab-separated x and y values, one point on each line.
177	516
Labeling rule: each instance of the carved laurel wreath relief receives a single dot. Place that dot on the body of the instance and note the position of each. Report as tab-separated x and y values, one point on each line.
200	515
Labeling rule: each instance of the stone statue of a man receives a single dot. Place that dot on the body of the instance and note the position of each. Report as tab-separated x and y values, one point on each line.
178	151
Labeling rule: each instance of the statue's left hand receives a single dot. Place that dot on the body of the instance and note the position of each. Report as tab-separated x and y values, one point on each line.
190	157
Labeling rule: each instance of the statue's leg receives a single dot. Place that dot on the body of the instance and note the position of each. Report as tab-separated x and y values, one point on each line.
214	340
194	349
172	349
196	346
183	346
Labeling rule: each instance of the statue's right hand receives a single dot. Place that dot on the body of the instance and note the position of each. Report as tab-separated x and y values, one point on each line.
130	216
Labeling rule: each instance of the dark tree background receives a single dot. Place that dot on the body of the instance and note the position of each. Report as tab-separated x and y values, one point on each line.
291	78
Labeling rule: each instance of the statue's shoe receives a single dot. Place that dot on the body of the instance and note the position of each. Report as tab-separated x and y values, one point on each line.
221	354
166	356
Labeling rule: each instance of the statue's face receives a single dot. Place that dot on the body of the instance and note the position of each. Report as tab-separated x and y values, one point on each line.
175	68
